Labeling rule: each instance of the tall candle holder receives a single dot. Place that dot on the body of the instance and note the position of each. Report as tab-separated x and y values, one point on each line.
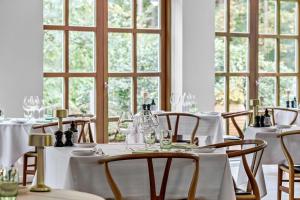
60	114
254	104
40	140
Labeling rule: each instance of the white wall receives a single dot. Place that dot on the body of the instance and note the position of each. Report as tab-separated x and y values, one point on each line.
193	50
21	36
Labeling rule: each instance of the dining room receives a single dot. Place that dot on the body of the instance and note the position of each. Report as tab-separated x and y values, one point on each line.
149	99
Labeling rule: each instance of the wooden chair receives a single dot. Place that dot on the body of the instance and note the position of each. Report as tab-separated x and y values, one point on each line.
290	168
175	128
233	117
84	136
149	157
257	148
273	109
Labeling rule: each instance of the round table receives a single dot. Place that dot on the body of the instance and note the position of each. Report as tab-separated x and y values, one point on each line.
56	195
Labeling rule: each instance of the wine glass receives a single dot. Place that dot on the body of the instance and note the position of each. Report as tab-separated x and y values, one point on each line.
125	125
27	107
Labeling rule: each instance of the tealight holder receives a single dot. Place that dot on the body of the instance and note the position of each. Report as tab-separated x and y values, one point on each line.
40	140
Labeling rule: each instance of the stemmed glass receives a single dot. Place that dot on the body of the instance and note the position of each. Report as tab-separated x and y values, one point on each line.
125	125
175	100
27	107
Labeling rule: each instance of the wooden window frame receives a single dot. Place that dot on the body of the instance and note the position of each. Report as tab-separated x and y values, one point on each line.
253	35
101	75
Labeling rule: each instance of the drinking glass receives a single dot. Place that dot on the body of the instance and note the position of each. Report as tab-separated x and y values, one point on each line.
9	179
149	137
27	107
166	139
125	125
2	117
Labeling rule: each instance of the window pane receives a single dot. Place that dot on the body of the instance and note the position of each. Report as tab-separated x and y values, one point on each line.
53	12
82	12
288	17
119	52
150	85
53	92
239	54
267	55
238	93
82	95
239	15
267	91
220	13
287	84
53	51
113	136
119	96
288	57
119	13
82	51
148	13
148	52
220	54
220	94
267	16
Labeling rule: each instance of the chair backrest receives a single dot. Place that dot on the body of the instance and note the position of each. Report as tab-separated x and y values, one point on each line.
233	117
289	152
149	158
291	122
85	135
256	149
175	120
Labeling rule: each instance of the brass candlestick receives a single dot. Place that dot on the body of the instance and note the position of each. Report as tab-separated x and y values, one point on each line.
40	140
254	104
60	114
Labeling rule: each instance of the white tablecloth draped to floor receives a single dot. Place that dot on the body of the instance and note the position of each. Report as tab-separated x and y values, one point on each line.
85	174
13	141
210	127
273	154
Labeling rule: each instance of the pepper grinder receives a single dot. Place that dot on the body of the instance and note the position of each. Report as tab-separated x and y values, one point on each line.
60	114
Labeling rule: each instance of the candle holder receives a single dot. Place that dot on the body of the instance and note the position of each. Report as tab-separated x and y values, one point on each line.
40	140
254	104
60	114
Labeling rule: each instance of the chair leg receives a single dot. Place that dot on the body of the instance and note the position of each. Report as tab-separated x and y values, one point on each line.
291	186
25	162
279	193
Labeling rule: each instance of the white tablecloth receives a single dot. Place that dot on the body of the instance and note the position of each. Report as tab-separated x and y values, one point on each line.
85	174
285	117
210	127
13	141
273	154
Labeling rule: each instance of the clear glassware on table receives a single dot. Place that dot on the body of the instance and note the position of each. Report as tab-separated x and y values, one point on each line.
125	125
2	116
27	107
166	139
147	126
37	104
9	180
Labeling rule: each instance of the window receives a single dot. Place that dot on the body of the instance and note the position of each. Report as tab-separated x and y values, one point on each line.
100	57
256	53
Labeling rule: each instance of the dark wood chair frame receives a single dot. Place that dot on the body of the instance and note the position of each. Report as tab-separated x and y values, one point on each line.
168	115
149	157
